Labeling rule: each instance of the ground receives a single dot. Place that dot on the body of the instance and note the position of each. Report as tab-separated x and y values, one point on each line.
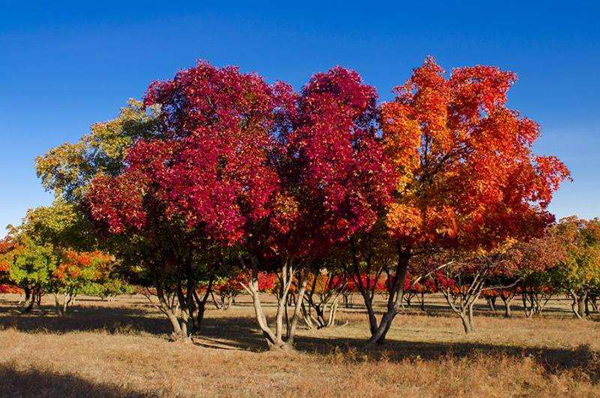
120	349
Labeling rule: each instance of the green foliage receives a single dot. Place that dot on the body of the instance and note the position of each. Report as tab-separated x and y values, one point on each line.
579	272
61	224
68	169
29	264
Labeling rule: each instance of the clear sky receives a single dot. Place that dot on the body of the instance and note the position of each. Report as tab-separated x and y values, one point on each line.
65	65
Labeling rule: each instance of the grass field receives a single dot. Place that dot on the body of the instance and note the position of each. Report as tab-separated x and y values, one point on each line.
120	349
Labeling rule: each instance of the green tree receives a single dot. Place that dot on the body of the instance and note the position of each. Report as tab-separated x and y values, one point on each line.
29	265
579	273
68	169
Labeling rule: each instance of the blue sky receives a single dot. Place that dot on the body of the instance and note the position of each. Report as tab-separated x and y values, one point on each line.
65	65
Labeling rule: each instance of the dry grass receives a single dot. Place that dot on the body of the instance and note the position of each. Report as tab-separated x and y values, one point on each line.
119	349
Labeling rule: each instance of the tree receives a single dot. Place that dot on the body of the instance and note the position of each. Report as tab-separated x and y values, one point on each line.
28	264
80	273
229	289
70	170
6	245
276	175
466	174
198	189
323	292
140	231
579	272
538	261
334	171
469	275
64	229
530	273
39	258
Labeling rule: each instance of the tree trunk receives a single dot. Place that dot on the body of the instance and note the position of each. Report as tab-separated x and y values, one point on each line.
275	340
587	305
470	318
467	325
368	299
581	305
594	303
332	314
66	303
394	300
201	303
291	331
168	309
507	306
29	300
492	303
58	306
27	292
575	304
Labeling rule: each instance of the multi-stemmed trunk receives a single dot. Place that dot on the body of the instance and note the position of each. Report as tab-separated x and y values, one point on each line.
394	302
282	337
395	290
325	306
528	305
368	287
325	313
463	301
170	304
32	297
578	304
62	308
534	302
464	309
201	304
507	305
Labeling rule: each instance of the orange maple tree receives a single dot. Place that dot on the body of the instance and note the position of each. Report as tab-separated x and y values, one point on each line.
467	177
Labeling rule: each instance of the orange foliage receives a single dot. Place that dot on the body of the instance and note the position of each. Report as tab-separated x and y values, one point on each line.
466	174
89	265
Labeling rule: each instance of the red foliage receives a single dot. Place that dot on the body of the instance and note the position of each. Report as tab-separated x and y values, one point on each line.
334	170
351	286
232	286
6	245
443	282
467	175
210	167
370	282
88	265
266	281
490	293
9	289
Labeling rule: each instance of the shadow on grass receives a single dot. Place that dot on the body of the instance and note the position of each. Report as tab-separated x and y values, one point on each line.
553	360
41	383
87	319
242	332
237	331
